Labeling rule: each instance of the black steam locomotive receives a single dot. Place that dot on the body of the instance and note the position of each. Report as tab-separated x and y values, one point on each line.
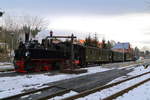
33	56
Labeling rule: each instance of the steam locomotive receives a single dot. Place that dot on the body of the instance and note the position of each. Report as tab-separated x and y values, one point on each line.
32	56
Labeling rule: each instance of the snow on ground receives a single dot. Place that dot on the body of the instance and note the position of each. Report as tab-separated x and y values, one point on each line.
6	66
71	93
140	93
137	71
5	63
107	92
14	85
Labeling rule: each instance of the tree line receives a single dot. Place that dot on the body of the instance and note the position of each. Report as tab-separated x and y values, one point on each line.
13	28
94	42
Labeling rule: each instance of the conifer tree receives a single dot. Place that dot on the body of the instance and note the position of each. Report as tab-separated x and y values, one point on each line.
103	44
88	41
95	41
109	45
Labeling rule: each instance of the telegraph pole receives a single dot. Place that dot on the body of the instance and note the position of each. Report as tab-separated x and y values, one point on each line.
123	52
1	14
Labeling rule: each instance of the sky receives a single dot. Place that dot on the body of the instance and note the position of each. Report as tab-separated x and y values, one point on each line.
119	20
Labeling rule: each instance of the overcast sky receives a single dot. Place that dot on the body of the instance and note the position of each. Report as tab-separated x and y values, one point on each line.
119	20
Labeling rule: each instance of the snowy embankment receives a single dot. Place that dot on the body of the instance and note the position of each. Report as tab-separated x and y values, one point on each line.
71	93
5	66
135	94
17	84
140	93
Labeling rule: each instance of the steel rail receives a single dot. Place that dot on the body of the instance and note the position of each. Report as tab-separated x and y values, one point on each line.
99	88
26	93
125	90
61	92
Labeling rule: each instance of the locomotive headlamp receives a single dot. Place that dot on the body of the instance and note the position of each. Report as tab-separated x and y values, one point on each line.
27	53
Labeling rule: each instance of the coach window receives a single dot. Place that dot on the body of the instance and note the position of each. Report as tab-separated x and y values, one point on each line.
91	52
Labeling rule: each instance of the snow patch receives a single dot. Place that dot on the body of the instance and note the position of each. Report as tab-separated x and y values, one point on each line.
128	96
24	82
140	93
71	93
107	92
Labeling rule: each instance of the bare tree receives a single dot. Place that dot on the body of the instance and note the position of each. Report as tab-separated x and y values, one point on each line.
33	24
11	23
10	30
21	25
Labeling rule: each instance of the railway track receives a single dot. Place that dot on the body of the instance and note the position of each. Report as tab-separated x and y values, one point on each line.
11	73
56	90
113	96
39	94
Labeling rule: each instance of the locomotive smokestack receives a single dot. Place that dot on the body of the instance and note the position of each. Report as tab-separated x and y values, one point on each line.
26	37
27	32
1	13
51	33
